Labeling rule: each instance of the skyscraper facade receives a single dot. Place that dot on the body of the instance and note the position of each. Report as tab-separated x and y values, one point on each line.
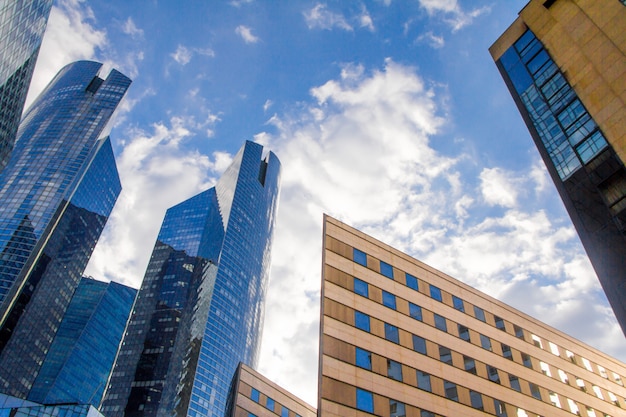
399	338
56	194
199	311
564	63
22	24
79	361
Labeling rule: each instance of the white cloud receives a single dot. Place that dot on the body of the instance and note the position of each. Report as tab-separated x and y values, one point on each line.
319	17
268	103
182	55
453	14
432	39
365	19
131	29
246	34
498	187
239	3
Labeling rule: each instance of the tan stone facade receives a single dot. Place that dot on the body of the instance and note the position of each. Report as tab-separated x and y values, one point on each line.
399	338
257	396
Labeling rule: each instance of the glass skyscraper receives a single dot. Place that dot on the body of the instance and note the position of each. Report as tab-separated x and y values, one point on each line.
22	24
80	359
564	63
56	194
200	308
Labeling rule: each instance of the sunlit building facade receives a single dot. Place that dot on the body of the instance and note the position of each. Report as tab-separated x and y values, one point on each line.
22	25
564	63
56	194
200	308
399	338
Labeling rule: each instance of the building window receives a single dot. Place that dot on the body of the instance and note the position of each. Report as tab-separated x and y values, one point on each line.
359	257
500	323
519	332
527	361
458	303
423	381
386	269
391	333
450	389
445	355
500	408
479	313
270	403
411	281
254	395
419	344
415	311
514	383
389	300
425	413
251	415
492	373
506	352
284	412
364	400
362	321
469	364
534	391
476	399
396	409
463	332
485	342
394	370
435	293
440	323
363	359
361	288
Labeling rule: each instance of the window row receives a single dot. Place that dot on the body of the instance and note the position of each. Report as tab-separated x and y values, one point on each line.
270	404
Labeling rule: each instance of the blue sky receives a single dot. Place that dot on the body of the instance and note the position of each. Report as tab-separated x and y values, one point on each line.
389	115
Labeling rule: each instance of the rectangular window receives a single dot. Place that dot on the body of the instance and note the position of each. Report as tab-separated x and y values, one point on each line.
415	311
500	323
534	390
493	374
463	332
270	403
284	412
362	321
527	361
396	409
251	415
485	342
359	257
411	281
506	352
440	323
361	288
451	392
386	269
469	364
458	303
519	332
363	359
423	381
514	383
364	400
419	344
389	300
391	333
394	370
479	313
254	395
445	355
435	293
500	408
476	399
425	413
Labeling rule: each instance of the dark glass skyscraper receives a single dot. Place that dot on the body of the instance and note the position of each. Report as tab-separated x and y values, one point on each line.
22	24
80	359
56	194
200	308
565	65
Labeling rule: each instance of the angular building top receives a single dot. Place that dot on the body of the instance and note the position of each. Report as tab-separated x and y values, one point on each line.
200	308
21	32
399	338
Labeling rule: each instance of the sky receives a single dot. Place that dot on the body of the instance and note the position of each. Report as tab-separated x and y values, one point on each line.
387	114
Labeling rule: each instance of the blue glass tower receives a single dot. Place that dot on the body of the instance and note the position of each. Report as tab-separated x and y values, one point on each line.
22	24
199	311
80	359
56	194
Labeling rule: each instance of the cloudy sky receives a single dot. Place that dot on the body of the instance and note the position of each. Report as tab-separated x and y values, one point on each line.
386	114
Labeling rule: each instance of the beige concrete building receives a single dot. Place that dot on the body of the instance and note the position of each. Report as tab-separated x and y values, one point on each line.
399	338
564	62
253	395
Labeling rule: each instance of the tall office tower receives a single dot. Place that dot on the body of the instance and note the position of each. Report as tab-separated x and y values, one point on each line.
199	310
399	338
56	194
79	361
254	395
564	62
18	407
21	31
